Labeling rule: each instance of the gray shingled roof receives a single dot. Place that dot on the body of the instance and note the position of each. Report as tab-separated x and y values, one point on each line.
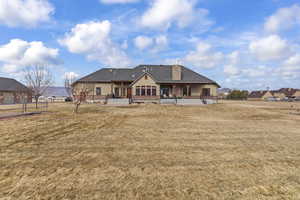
257	94
288	91
161	74
56	92
11	85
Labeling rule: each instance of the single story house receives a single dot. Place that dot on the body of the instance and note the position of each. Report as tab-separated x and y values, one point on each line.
278	95
146	83
12	92
281	94
55	94
290	92
260	95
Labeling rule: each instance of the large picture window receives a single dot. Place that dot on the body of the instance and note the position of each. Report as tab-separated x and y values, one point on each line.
138	91
143	91
148	90
123	92
153	90
206	92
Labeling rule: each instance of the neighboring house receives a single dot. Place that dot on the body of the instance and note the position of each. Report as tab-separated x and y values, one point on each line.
12	92
290	92
55	94
278	95
260	95
281	94
147	83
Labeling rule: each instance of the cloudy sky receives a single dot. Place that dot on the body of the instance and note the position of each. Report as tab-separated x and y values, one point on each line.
246	44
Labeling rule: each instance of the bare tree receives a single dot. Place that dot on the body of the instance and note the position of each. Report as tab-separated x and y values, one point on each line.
78	94
69	81
38	79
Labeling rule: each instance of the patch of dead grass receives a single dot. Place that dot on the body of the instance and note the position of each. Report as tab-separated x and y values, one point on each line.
233	150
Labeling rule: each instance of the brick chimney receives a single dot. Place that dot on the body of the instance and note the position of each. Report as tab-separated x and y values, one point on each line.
176	72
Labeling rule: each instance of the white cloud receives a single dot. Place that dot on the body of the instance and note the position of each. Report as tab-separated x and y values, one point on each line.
163	13
204	57
10	68
27	13
155	44
161	42
290	69
93	40
283	19
85	38
270	48
124	45
71	75
235	71
234	57
19	53
288	72
250	77
293	60
118	1
231	70
255	71
142	42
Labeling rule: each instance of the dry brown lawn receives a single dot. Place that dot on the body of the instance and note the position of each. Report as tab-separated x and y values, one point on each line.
233	150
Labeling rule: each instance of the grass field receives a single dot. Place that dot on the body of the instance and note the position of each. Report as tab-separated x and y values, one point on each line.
233	150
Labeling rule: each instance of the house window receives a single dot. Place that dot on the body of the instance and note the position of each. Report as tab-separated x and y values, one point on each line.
117	92
98	91
138	91
153	90
123	92
206	92
143	91
148	90
187	91
146	77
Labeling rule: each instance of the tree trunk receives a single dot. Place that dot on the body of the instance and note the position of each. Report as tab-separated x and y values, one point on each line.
77	104
36	102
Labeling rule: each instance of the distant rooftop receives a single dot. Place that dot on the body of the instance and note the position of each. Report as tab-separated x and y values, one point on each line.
56	92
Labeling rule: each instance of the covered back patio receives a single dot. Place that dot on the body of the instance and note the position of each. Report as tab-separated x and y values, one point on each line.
185	91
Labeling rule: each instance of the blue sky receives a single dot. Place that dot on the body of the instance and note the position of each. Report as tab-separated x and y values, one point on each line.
249	44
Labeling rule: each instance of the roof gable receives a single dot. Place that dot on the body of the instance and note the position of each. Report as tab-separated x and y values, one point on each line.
142	76
288	91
